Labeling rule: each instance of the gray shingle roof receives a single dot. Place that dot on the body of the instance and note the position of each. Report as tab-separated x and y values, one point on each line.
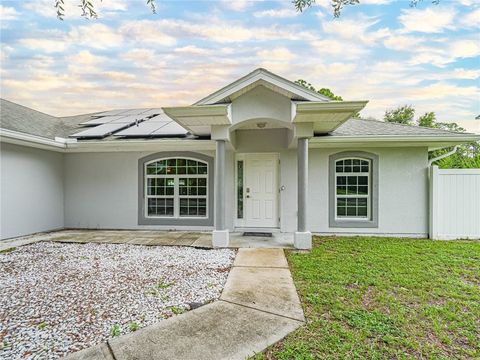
360	127
25	120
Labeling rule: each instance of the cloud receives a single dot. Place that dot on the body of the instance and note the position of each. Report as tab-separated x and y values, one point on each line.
237	5
119	76
339	49
376	2
355	29
85	62
46	45
467	2
472	19
142	59
465	48
223	31
445	52
444	90
276	13
5	52
402	42
8	13
278	54
455	74
433	19
182	55
276	59
335	69
95	35
192	50
146	32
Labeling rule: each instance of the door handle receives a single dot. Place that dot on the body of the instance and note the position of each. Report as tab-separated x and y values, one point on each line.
247	196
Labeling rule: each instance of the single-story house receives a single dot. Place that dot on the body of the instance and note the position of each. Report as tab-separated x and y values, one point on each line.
260	154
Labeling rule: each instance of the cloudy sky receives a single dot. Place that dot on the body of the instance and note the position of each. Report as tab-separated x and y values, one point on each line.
383	51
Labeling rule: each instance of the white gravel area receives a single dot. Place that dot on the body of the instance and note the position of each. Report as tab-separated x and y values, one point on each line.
59	298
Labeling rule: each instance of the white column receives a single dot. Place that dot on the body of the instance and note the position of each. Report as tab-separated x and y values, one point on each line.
303	237
220	236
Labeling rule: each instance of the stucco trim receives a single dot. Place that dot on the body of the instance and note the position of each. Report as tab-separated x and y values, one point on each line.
337	223
143	220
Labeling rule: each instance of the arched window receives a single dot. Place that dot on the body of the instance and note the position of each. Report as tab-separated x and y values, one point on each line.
176	188
352	188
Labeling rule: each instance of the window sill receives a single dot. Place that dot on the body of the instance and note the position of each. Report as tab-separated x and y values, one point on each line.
350	223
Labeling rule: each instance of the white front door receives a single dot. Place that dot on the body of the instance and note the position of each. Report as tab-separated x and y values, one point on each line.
261	190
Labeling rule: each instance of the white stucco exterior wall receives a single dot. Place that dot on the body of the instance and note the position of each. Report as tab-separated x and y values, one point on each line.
31	190
261	103
402	198
101	191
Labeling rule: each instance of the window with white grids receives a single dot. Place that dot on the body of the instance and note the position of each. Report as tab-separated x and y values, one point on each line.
352	188
176	187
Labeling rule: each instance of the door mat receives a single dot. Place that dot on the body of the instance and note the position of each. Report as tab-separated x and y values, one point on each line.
259	234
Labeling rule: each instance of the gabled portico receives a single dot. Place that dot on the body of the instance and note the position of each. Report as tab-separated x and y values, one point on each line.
262	113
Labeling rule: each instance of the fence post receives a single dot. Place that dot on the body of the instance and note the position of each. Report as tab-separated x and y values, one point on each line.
433	202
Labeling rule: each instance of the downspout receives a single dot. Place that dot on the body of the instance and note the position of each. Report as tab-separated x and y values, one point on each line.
431	161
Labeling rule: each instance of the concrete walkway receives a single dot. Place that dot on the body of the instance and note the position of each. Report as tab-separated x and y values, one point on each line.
11	244
258	307
151	238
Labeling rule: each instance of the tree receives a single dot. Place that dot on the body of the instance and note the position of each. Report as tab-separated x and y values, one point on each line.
88	9
402	115
323	91
466	156
427	119
338	5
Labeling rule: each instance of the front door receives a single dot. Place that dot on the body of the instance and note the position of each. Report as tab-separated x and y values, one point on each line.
261	190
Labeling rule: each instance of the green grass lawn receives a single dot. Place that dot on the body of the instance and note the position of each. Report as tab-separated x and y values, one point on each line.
378	298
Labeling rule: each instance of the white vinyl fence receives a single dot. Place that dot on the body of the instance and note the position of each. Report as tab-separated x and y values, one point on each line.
454	203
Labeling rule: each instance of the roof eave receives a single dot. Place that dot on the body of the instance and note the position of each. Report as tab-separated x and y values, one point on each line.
432	142
325	116
141	145
24	139
197	118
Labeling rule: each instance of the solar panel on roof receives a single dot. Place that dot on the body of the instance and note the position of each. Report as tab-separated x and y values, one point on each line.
101	130
170	129
160	125
131	123
152	112
101	120
128	119
112	112
135	111
143	129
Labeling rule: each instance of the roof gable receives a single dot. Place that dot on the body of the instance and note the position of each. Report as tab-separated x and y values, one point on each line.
261	77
